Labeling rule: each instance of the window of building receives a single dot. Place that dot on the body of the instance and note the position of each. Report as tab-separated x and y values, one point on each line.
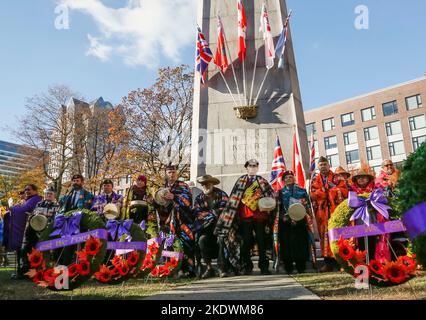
371	133
330	142
348	119
328	124
374	153
310	128
390	108
352	156
333	160
350	137
417	122
393	128
417	142
413	102
368	114
396	148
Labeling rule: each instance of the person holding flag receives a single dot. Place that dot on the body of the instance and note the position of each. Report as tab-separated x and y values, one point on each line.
204	56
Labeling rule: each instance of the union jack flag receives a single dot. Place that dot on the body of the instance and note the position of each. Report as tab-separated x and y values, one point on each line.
278	168
282	41
204	55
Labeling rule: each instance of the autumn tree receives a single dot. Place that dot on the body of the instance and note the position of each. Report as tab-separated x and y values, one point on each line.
158	121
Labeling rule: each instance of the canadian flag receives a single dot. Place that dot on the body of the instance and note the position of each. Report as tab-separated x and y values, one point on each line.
242	28
297	164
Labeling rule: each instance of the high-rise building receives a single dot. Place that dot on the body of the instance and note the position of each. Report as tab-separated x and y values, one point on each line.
13	159
386	124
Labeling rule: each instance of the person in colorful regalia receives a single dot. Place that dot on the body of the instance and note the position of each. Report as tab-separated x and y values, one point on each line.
294	236
106	197
327	192
387	178
208	206
138	204
178	218
378	246
242	217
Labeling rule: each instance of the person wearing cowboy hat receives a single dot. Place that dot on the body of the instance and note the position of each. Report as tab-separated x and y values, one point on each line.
208	206
242	219
293	236
363	181
388	177
327	192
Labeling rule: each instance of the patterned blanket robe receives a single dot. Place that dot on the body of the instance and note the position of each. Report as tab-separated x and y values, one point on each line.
227	225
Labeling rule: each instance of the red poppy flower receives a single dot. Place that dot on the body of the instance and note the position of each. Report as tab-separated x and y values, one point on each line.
104	274
153	250
164	271
48	275
395	272
133	258
84	268
409	264
360	255
346	252
376	267
155	272
341	242
82	254
116	261
123	269
38	277
174	262
73	270
93	245
35	258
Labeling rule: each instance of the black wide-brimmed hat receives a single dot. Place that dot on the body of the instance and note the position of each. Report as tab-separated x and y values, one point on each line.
208	179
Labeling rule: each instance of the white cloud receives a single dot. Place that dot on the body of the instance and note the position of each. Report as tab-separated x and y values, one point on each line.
141	32
98	49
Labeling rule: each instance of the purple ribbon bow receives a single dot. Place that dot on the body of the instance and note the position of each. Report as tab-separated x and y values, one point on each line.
377	199
66	226
162	235
169	240
117	228
142	225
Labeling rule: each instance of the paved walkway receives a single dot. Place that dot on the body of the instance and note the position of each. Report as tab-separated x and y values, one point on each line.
254	287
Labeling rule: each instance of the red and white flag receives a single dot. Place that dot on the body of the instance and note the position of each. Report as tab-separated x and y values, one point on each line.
265	28
297	164
220	58
242	28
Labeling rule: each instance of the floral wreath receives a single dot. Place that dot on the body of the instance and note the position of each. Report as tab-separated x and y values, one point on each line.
173	259
125	266
71	228
390	273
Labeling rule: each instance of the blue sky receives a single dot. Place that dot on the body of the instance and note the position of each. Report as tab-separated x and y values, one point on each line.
335	60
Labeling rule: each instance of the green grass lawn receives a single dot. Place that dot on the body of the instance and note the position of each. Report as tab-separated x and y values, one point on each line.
132	289
341	286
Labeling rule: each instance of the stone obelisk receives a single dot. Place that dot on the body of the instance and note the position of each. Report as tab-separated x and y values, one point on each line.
221	140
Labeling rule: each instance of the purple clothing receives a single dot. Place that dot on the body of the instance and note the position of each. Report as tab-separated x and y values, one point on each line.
100	202
15	222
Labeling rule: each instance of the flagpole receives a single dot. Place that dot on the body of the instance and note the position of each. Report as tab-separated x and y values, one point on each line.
226	83
261	86
232	65
254	75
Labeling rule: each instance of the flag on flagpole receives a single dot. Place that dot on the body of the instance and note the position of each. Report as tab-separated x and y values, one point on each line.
204	56
312	167
297	164
242	28
220	58
265	28
280	49
278	167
